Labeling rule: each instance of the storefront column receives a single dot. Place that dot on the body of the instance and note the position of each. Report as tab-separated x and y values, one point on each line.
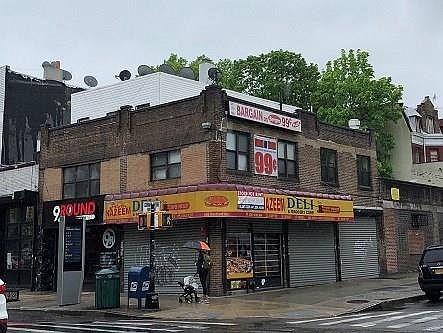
217	274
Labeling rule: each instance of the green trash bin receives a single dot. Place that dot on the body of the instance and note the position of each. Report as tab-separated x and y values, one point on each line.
107	289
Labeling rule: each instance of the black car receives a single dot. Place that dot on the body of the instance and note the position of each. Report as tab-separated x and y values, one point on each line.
430	272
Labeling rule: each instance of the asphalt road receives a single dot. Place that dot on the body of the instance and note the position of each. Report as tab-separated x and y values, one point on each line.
414	317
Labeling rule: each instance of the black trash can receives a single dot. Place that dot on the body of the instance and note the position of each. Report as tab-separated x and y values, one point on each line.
107	289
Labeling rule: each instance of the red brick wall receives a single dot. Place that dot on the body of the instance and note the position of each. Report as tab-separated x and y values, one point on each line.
216	275
391	240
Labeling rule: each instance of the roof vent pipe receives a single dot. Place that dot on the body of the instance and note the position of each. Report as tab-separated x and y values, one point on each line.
354	123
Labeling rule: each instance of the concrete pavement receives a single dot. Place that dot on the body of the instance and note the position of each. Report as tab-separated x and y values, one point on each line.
292	303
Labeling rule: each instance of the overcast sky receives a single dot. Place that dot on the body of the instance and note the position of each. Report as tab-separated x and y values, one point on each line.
100	38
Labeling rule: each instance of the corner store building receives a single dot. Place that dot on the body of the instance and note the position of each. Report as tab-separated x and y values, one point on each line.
279	249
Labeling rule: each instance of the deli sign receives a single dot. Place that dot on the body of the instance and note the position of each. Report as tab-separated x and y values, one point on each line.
264	117
89	208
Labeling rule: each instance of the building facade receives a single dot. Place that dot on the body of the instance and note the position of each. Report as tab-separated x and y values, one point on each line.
282	199
413	220
26	103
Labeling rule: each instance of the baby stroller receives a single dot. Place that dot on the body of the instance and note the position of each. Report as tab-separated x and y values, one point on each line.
190	287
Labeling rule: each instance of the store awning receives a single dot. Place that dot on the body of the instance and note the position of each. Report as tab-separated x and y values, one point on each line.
223	187
231	200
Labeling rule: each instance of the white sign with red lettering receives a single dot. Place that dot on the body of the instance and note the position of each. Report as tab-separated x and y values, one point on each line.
263	116
265	156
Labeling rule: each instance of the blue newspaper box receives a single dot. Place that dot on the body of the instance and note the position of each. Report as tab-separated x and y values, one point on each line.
139	283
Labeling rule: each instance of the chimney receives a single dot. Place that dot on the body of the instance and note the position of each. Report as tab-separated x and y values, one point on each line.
52	71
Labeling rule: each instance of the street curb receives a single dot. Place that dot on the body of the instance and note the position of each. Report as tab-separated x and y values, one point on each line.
384	304
156	315
91	312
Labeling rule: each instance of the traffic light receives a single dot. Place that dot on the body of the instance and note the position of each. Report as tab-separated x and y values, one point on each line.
163	219
142	221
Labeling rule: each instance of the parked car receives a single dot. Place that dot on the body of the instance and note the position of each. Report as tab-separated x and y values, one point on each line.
430	272
3	308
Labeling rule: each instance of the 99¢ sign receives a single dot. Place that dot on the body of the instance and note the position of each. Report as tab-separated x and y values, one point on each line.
265	156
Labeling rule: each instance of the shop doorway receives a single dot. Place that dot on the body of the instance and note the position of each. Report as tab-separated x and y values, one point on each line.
267	260
19	247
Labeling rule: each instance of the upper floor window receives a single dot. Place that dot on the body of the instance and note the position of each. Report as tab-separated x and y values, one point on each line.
237	151
329	173
433	155
417	155
429	125
81	181
287	159
363	171
166	165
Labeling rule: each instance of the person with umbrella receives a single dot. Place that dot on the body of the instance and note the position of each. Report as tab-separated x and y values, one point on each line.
203	265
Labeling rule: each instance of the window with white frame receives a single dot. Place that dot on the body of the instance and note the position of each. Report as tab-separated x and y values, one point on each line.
166	165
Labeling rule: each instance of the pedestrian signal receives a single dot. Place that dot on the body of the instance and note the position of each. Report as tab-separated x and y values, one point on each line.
164	219
142	221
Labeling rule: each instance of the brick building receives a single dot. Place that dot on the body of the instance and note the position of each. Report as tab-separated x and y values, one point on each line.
282	199
413	220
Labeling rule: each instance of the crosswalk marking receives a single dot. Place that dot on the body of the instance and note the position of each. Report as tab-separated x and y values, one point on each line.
125	323
117	326
433	328
417	321
96	329
359	318
191	322
375	322
31	330
319	319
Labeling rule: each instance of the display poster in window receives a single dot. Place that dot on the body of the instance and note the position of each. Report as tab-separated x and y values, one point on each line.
73	247
239	264
265	156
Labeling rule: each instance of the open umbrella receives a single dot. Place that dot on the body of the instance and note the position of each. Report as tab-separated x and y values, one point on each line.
197	245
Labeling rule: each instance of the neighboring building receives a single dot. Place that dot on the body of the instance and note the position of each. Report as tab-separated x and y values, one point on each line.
413	220
26	103
418	153
18	212
413	198
283	199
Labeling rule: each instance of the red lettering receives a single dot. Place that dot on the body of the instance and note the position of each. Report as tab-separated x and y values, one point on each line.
62	210
91	207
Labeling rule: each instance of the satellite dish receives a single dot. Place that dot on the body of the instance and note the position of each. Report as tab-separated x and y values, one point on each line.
144	70
124	75
214	74
66	76
187	73
46	64
90	81
165	68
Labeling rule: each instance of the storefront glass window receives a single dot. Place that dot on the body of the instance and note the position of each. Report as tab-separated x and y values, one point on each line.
267	260
239	264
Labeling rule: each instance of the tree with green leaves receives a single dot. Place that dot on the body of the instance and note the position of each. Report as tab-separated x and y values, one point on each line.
348	89
278	75
177	63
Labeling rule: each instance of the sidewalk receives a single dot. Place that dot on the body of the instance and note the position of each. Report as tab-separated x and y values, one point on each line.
294	303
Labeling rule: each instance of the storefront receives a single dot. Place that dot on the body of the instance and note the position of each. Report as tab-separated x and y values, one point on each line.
358	249
269	239
17	217
102	246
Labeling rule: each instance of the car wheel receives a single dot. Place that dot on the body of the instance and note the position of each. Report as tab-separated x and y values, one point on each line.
433	296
